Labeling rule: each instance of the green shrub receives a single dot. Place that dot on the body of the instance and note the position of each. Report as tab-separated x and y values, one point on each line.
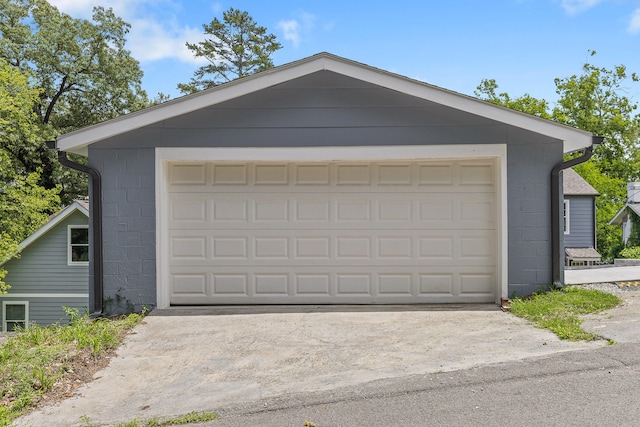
631	252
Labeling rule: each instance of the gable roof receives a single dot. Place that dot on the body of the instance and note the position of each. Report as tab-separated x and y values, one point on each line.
623	213
574	185
78	141
79	205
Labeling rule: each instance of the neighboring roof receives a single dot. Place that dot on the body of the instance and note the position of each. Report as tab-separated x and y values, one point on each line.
78	141
582	253
79	205
574	185
622	214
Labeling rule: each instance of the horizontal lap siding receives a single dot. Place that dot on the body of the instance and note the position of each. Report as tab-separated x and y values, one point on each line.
47	311
581	223
42	267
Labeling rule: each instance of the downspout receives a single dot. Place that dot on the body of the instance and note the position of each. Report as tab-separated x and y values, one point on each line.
95	206
556	265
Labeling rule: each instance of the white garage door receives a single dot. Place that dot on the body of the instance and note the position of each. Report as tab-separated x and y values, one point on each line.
332	232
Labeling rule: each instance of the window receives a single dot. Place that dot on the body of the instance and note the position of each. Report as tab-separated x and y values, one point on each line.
78	245
565	217
15	314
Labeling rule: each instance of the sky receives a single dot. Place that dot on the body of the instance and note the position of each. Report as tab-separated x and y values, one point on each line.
522	44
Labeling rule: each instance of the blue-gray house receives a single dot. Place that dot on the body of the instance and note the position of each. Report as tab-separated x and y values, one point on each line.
325	181
52	271
579	220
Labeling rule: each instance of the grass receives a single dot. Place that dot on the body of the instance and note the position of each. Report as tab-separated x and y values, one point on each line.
559	310
35	358
191	417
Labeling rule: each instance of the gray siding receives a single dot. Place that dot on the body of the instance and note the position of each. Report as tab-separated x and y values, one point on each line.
47	311
322	109
42	269
581	222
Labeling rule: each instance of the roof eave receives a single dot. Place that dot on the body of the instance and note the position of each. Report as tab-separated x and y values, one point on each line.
77	142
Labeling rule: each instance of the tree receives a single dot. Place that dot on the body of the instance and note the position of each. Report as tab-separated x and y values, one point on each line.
236	47
525	103
594	101
24	205
82	70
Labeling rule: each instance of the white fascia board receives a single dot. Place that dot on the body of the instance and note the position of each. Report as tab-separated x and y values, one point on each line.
77	142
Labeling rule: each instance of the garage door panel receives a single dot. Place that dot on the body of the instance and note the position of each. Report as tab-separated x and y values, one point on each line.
313	284
228	210
229	284
476	283
323	232
190	284
477	175
436	283
231	247
184	174
395	284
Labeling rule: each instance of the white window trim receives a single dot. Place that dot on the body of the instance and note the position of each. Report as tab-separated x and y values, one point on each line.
69	261
4	313
566	216
369	153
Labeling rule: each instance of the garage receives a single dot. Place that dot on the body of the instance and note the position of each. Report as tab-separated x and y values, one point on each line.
332	232
324	181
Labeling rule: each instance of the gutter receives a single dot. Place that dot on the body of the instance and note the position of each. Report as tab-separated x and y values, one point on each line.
95	209
556	264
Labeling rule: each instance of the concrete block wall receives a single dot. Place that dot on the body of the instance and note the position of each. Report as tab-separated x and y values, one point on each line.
129	226
529	205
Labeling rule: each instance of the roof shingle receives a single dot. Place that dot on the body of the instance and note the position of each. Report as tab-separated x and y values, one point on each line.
574	185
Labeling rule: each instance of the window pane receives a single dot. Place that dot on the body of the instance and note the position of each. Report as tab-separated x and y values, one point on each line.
79	253
15	312
12	326
79	236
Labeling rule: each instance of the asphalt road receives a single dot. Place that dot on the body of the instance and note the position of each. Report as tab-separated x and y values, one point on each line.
597	387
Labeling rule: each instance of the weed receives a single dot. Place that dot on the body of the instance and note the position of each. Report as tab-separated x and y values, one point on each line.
559	310
192	417
35	358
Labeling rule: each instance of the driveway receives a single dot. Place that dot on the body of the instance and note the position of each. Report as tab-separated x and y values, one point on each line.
181	360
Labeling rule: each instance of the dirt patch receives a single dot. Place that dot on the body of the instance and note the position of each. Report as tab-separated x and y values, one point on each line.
79	370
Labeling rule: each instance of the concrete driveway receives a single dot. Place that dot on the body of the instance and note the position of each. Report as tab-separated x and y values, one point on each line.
181	360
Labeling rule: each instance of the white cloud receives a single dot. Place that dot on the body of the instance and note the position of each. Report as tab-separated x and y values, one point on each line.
152	41
295	30
576	6
84	8
291	30
634	23
154	33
